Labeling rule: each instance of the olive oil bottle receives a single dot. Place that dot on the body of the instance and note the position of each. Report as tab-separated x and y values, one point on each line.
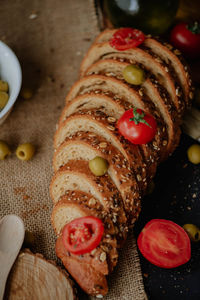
151	16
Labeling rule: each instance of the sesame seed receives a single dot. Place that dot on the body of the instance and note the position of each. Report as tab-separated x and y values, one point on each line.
102	256
111	120
191	95
158	59
123	180
177	52
103	145
112	128
164	143
139	178
140	92
92	201
169	46
178	92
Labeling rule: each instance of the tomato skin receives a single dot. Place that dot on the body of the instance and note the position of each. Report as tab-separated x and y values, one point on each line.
137	133
164	243
185	40
89	228
127	38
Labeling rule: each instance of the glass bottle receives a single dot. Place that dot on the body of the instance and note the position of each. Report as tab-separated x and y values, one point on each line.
150	16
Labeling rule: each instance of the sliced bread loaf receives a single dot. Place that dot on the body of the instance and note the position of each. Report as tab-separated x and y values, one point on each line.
155	99
76	175
166	52
97	123
139	56
86	146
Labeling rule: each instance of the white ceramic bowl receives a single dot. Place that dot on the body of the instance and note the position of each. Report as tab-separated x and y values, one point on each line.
10	71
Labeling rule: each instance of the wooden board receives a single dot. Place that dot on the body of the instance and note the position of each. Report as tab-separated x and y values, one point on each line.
33	277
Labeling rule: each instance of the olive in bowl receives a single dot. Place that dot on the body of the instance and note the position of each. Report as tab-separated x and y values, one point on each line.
10	73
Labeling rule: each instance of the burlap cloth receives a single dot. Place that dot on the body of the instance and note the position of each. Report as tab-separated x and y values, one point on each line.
50	38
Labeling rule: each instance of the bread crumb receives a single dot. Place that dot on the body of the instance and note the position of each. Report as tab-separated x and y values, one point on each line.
33	16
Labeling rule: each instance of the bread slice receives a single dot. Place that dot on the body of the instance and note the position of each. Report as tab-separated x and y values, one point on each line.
76	175
171	56
155	102
76	204
106	85
90	280
139	56
95	101
86	146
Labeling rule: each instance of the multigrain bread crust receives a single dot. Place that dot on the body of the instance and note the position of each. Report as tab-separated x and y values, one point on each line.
149	152
90	280
76	204
76	175
115	110
106	85
86	146
170	55
137	55
156	100
87	128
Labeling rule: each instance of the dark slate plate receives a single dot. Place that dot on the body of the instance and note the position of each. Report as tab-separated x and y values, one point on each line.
177	198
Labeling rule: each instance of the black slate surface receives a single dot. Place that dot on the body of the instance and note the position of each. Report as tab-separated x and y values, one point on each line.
176	197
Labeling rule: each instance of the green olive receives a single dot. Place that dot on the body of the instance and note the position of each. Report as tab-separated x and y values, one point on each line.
25	151
193	153
3	99
4	150
98	166
3	86
26	93
193	232
29	239
133	75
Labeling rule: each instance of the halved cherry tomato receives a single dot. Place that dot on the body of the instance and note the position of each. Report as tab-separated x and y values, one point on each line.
186	37
164	243
137	126
82	235
126	38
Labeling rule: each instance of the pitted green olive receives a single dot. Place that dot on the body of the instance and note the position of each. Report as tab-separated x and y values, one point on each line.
25	151
133	75
3	86
98	166
194	154
3	99
193	232
4	150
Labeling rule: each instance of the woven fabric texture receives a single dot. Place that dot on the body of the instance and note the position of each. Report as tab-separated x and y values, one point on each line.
50	38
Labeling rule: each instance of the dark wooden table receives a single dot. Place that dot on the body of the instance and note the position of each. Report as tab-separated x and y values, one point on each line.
177	198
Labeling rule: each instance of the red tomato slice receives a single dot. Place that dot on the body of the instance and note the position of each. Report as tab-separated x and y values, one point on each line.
82	235
164	243
137	126
126	38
